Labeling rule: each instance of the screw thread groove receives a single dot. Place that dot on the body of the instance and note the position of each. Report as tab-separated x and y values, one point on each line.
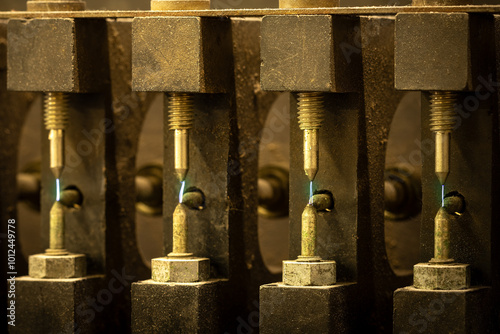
180	111
311	110
56	111
442	111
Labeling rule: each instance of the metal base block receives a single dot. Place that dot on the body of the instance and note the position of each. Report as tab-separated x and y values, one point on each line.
435	276
57	305
442	311
319	273
177	307
311	309
57	266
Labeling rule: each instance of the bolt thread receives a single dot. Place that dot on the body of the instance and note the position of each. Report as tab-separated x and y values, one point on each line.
311	110
180	111
443	111
56	111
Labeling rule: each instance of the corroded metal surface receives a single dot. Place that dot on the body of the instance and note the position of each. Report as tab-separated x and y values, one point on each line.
312	309
441	276
309	232
180	270
432	311
180	232
442	223
318	273
48	305
200	305
57	265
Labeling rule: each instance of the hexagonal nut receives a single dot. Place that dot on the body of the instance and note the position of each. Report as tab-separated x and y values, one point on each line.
184	270
298	273
57	266
433	276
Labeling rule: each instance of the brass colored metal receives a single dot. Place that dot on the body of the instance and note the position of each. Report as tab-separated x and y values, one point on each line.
311	114
309	233
308	3
442	123
442	237
57	230
55	5
180	5
179	245
441	2
56	120
254	12
181	117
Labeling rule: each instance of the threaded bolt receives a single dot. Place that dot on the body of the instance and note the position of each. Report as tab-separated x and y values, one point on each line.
443	111
311	110
180	111
56	111
442	122
56	120
181	119
311	114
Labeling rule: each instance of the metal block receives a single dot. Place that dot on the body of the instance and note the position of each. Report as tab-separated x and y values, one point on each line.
431	276
181	54
310	53
165	269
319	273
58	55
180	4
430	311
58	305
57	266
438	51
177	307
289	309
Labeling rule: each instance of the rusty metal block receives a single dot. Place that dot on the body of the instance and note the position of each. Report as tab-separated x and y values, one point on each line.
58	55
432	276
181	54
311	309
57	266
319	273
178	307
431	311
60	305
441	51
166	269
310	53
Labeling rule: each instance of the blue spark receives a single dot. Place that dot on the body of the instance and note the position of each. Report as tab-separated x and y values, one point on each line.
58	191
183	183
310	192
442	195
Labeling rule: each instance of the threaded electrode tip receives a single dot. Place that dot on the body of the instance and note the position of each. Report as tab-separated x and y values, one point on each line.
180	111
56	111
442	105
311	110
